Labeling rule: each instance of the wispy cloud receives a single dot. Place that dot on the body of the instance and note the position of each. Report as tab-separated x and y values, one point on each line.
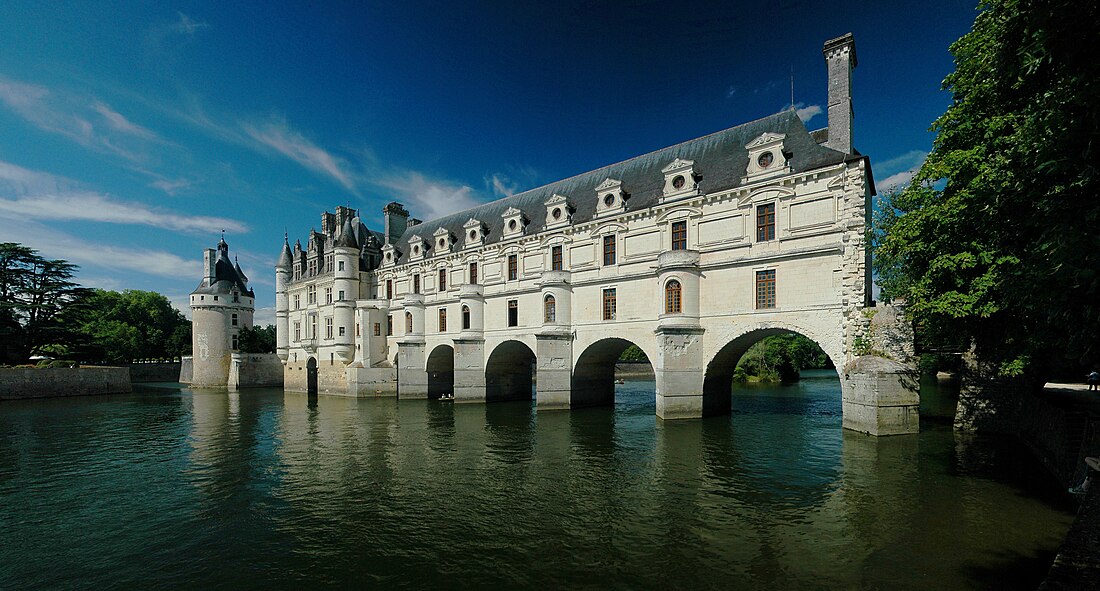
900	169
89	122
170	186
187	25
38	195
264	316
501	185
59	245
277	135
428	198
807	112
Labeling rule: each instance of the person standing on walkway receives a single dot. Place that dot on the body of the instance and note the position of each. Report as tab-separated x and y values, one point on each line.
1094	381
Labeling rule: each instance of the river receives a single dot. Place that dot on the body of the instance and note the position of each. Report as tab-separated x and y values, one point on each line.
168	488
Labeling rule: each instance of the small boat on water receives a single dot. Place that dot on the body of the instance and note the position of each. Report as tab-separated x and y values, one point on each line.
620	381
447	396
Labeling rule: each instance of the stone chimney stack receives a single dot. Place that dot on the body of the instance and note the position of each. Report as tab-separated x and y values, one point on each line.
397	221
840	58
209	260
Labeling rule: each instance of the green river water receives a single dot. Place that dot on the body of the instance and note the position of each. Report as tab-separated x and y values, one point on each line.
168	488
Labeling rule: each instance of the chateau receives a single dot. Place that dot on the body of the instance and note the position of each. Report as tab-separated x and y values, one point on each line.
692	253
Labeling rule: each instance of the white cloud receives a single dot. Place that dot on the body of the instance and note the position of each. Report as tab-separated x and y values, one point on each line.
264	316
278	135
187	25
501	185
805	113
38	195
170	186
71	115
59	245
896	181
428	198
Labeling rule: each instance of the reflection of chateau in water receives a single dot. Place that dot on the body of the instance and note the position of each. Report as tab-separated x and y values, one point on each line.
692	253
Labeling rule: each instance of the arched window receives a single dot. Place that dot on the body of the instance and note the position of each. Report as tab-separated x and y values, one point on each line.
550	309
672	298
408	322
465	318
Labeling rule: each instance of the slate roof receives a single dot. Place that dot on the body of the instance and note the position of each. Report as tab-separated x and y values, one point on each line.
720	160
226	276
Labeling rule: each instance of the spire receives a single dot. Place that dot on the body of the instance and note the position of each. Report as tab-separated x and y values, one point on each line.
346	237
240	273
285	256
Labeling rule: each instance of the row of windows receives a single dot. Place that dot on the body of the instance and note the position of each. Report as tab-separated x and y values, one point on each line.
765	299
311	296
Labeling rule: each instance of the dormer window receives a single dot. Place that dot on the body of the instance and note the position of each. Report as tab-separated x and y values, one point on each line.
680	179
474	232
390	254
418	247
514	222
443	241
611	197
766	157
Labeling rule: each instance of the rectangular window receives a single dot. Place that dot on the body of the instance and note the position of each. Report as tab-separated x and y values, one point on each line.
313	326
234	320
442	320
377	329
473	273
328	295
297	331
235	342
442	280
215	298
389	289
513	267
389	325
416	283
341	331
513	312
311	294
765	222
609	250
609	304
328	327
555	258
679	235
765	289
340	266
341	297
297	301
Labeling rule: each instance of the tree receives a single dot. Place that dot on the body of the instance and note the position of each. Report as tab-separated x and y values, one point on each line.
39	303
133	324
994	242
780	357
256	339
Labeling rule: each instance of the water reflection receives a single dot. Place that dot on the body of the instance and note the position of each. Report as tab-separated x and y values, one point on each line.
273	489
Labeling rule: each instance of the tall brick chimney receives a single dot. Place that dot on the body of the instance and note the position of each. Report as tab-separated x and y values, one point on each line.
840	58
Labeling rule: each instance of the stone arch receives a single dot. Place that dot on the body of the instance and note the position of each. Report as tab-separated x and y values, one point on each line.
441	371
311	376
732	345
593	380
509	372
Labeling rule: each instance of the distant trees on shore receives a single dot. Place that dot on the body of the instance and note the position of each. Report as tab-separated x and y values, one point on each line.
44	312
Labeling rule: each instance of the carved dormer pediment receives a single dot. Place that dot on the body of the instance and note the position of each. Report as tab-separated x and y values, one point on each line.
390	254
514	222
611	198
559	212
681	180
473	233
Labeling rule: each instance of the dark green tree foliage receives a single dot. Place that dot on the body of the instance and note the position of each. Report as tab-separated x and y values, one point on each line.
996	241
780	358
133	324
633	354
39	304
256	339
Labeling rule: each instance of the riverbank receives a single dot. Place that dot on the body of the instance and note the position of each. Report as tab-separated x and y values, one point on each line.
18	383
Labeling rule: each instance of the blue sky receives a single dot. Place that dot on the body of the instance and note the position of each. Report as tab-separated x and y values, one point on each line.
132	133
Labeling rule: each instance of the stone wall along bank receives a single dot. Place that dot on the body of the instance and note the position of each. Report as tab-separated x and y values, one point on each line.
23	383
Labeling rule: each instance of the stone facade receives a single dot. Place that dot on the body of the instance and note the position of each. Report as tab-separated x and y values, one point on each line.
692	253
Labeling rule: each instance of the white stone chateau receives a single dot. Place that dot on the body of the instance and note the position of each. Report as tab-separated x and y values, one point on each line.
692	253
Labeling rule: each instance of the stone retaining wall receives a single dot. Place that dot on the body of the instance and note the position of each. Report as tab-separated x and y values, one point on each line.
154	372
22	383
249	370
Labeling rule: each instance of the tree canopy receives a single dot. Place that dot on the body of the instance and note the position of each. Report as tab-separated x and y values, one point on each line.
39	302
132	324
995	241
256	339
